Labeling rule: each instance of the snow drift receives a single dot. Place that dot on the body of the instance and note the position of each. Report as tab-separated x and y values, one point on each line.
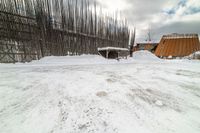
79	60
145	55
94	59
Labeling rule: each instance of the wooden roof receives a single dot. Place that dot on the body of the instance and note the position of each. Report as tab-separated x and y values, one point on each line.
178	45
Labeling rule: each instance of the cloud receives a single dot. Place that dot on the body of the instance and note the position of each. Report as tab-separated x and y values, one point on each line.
176	27
161	16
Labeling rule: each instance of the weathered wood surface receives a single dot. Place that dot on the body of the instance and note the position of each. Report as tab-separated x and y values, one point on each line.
31	29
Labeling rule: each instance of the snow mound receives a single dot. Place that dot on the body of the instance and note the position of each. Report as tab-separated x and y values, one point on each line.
93	59
72	60
144	55
78	60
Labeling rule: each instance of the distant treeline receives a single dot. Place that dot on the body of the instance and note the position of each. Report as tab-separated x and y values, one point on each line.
31	29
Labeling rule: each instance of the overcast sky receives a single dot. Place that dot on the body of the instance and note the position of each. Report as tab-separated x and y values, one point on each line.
160	16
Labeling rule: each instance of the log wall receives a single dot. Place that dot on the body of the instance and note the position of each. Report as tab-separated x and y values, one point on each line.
32	29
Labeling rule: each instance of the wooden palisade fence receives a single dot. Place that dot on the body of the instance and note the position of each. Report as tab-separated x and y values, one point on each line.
31	29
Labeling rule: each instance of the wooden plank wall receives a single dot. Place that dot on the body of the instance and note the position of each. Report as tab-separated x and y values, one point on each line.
31	29
178	46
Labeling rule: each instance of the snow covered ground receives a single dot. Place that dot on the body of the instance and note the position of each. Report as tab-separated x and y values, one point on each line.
90	94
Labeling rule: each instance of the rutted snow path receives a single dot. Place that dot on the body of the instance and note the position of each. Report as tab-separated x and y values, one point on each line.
141	97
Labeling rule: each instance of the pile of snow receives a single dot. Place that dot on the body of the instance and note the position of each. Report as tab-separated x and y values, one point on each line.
71	60
93	59
90	60
79	60
144	55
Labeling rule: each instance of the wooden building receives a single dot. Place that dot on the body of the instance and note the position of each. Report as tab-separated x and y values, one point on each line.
177	45
150	46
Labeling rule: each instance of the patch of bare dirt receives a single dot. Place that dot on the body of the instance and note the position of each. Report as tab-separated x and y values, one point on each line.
101	94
